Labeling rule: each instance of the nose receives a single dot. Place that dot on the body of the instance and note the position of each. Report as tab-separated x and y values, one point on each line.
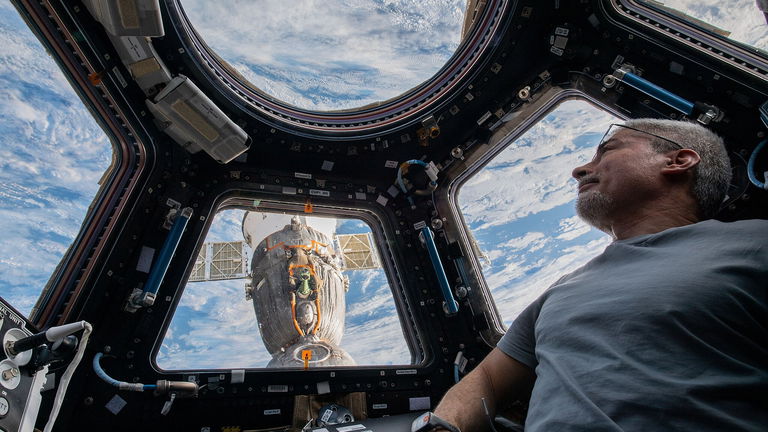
581	170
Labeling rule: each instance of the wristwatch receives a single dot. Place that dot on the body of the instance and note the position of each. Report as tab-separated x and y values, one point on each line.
429	422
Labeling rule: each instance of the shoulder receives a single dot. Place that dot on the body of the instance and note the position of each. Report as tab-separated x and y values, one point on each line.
753	228
742	236
750	224
744	223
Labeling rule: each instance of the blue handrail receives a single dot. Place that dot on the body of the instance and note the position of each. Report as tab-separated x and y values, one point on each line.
451	305
651	89
160	267
751	166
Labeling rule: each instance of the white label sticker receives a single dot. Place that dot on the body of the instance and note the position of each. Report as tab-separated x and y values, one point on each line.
382	200
272	411
302	175
145	259
134	48
485	117
277	389
323	387
238	376
11	315
210	111
327	166
318	192
463	364
326	415
390	164
380	406
419	225
119	76
350	428
360	195
419	403
561	31
393	191
405	372
116	404
289	190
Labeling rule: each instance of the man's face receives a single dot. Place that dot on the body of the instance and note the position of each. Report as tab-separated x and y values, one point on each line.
624	174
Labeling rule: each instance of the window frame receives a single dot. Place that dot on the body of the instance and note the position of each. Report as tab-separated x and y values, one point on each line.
413	334
391	113
655	20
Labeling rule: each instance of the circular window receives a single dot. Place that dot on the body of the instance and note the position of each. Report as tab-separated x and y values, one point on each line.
331	55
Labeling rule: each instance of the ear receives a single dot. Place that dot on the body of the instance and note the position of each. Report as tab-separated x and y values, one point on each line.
680	161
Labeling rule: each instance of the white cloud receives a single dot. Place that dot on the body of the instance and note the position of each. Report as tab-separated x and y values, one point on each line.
741	18
22	110
331	54
531	242
532	175
572	228
511	300
383	343
52	153
220	332
366	278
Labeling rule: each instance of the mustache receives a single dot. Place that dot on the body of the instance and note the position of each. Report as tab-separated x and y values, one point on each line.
592	178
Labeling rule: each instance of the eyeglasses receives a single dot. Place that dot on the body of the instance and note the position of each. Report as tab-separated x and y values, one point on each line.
609	135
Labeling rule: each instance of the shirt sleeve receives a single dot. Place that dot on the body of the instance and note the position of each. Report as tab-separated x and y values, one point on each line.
520	340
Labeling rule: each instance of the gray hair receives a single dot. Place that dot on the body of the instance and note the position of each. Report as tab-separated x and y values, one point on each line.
712	175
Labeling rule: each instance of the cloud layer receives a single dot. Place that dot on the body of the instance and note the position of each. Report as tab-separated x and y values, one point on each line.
52	153
741	18
331	54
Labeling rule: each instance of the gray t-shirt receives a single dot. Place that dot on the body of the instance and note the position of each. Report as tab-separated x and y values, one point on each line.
667	331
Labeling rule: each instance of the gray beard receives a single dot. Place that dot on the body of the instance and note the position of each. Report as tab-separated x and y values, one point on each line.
593	207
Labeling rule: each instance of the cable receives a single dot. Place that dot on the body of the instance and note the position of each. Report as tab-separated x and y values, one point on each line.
456	373
488	415
65	378
736	196
122	385
457	365
751	166
429	169
402	184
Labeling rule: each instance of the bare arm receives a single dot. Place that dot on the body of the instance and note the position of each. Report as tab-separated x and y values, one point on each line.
498	378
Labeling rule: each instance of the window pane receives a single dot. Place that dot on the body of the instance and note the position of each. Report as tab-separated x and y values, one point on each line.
739	20
52	154
520	207
297	267
333	54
